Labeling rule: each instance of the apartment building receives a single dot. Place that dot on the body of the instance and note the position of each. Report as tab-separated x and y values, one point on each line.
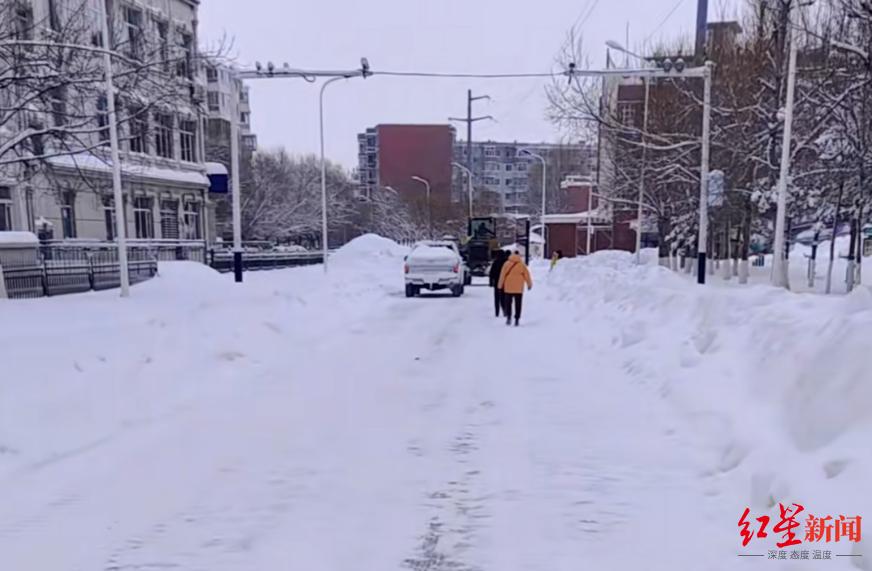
390	155
500	168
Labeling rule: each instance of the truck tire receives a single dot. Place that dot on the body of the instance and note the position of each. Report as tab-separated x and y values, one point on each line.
457	290
410	290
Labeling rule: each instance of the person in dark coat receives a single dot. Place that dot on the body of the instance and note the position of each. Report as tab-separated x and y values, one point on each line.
495	270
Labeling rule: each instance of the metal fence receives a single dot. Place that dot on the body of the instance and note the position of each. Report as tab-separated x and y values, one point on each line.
61	269
222	260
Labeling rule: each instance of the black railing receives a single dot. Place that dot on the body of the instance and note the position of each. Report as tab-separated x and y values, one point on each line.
222	260
59	269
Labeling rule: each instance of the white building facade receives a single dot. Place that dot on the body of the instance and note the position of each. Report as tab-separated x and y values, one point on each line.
65	192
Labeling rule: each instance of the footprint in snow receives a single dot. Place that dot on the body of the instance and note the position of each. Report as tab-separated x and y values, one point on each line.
230	356
272	327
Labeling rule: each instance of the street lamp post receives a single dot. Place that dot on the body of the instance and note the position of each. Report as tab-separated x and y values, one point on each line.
703	174
642	173
120	226
779	260
362	72
469	183
235	184
426	183
324	245
590	194
541	159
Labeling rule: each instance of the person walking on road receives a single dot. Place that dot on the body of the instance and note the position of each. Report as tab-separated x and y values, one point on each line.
495	270
513	277
554	258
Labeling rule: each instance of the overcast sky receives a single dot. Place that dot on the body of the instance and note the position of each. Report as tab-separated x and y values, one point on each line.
467	36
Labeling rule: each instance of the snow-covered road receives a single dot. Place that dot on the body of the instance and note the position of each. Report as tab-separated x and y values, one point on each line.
304	422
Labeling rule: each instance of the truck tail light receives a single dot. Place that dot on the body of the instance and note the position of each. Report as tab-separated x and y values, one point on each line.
456	268
406	268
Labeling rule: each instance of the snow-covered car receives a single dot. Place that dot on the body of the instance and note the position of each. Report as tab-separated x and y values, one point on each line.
435	265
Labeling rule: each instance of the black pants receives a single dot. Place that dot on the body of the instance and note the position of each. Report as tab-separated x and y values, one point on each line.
499	302
517	298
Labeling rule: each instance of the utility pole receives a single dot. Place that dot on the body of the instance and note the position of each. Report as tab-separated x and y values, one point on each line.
699	50
470	99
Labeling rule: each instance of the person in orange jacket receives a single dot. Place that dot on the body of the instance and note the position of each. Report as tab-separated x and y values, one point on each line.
512	279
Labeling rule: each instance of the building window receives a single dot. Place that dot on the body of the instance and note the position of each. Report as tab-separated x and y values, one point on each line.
490	151
109	217
138	130
521	167
243	95
23	21
163	135
187	140
628	114
213	101
103	118
58	103
184	67
163	37
491	166
243	117
133	31
143	217
192	220
28	207
54	21
5	208
68	214
508	167
211	74
169	219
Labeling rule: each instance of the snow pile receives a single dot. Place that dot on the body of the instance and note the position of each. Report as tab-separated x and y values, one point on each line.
432	253
369	247
9	237
774	385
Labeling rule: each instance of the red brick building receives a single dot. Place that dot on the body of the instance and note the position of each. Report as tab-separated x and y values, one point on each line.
612	227
390	155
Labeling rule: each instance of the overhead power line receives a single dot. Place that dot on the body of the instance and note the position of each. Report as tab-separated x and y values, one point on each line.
663	21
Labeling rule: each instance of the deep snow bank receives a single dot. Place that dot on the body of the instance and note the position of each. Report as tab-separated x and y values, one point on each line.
369	247
777	385
96	364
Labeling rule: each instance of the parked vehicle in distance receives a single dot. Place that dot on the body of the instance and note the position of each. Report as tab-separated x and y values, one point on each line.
290	248
435	265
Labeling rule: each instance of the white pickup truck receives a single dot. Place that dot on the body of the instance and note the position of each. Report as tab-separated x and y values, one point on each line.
434	265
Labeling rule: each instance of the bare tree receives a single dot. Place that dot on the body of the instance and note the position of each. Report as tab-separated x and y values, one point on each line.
52	92
283	201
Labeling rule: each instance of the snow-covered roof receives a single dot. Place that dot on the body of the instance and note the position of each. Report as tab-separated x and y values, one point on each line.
596	217
216	168
97	164
18	238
